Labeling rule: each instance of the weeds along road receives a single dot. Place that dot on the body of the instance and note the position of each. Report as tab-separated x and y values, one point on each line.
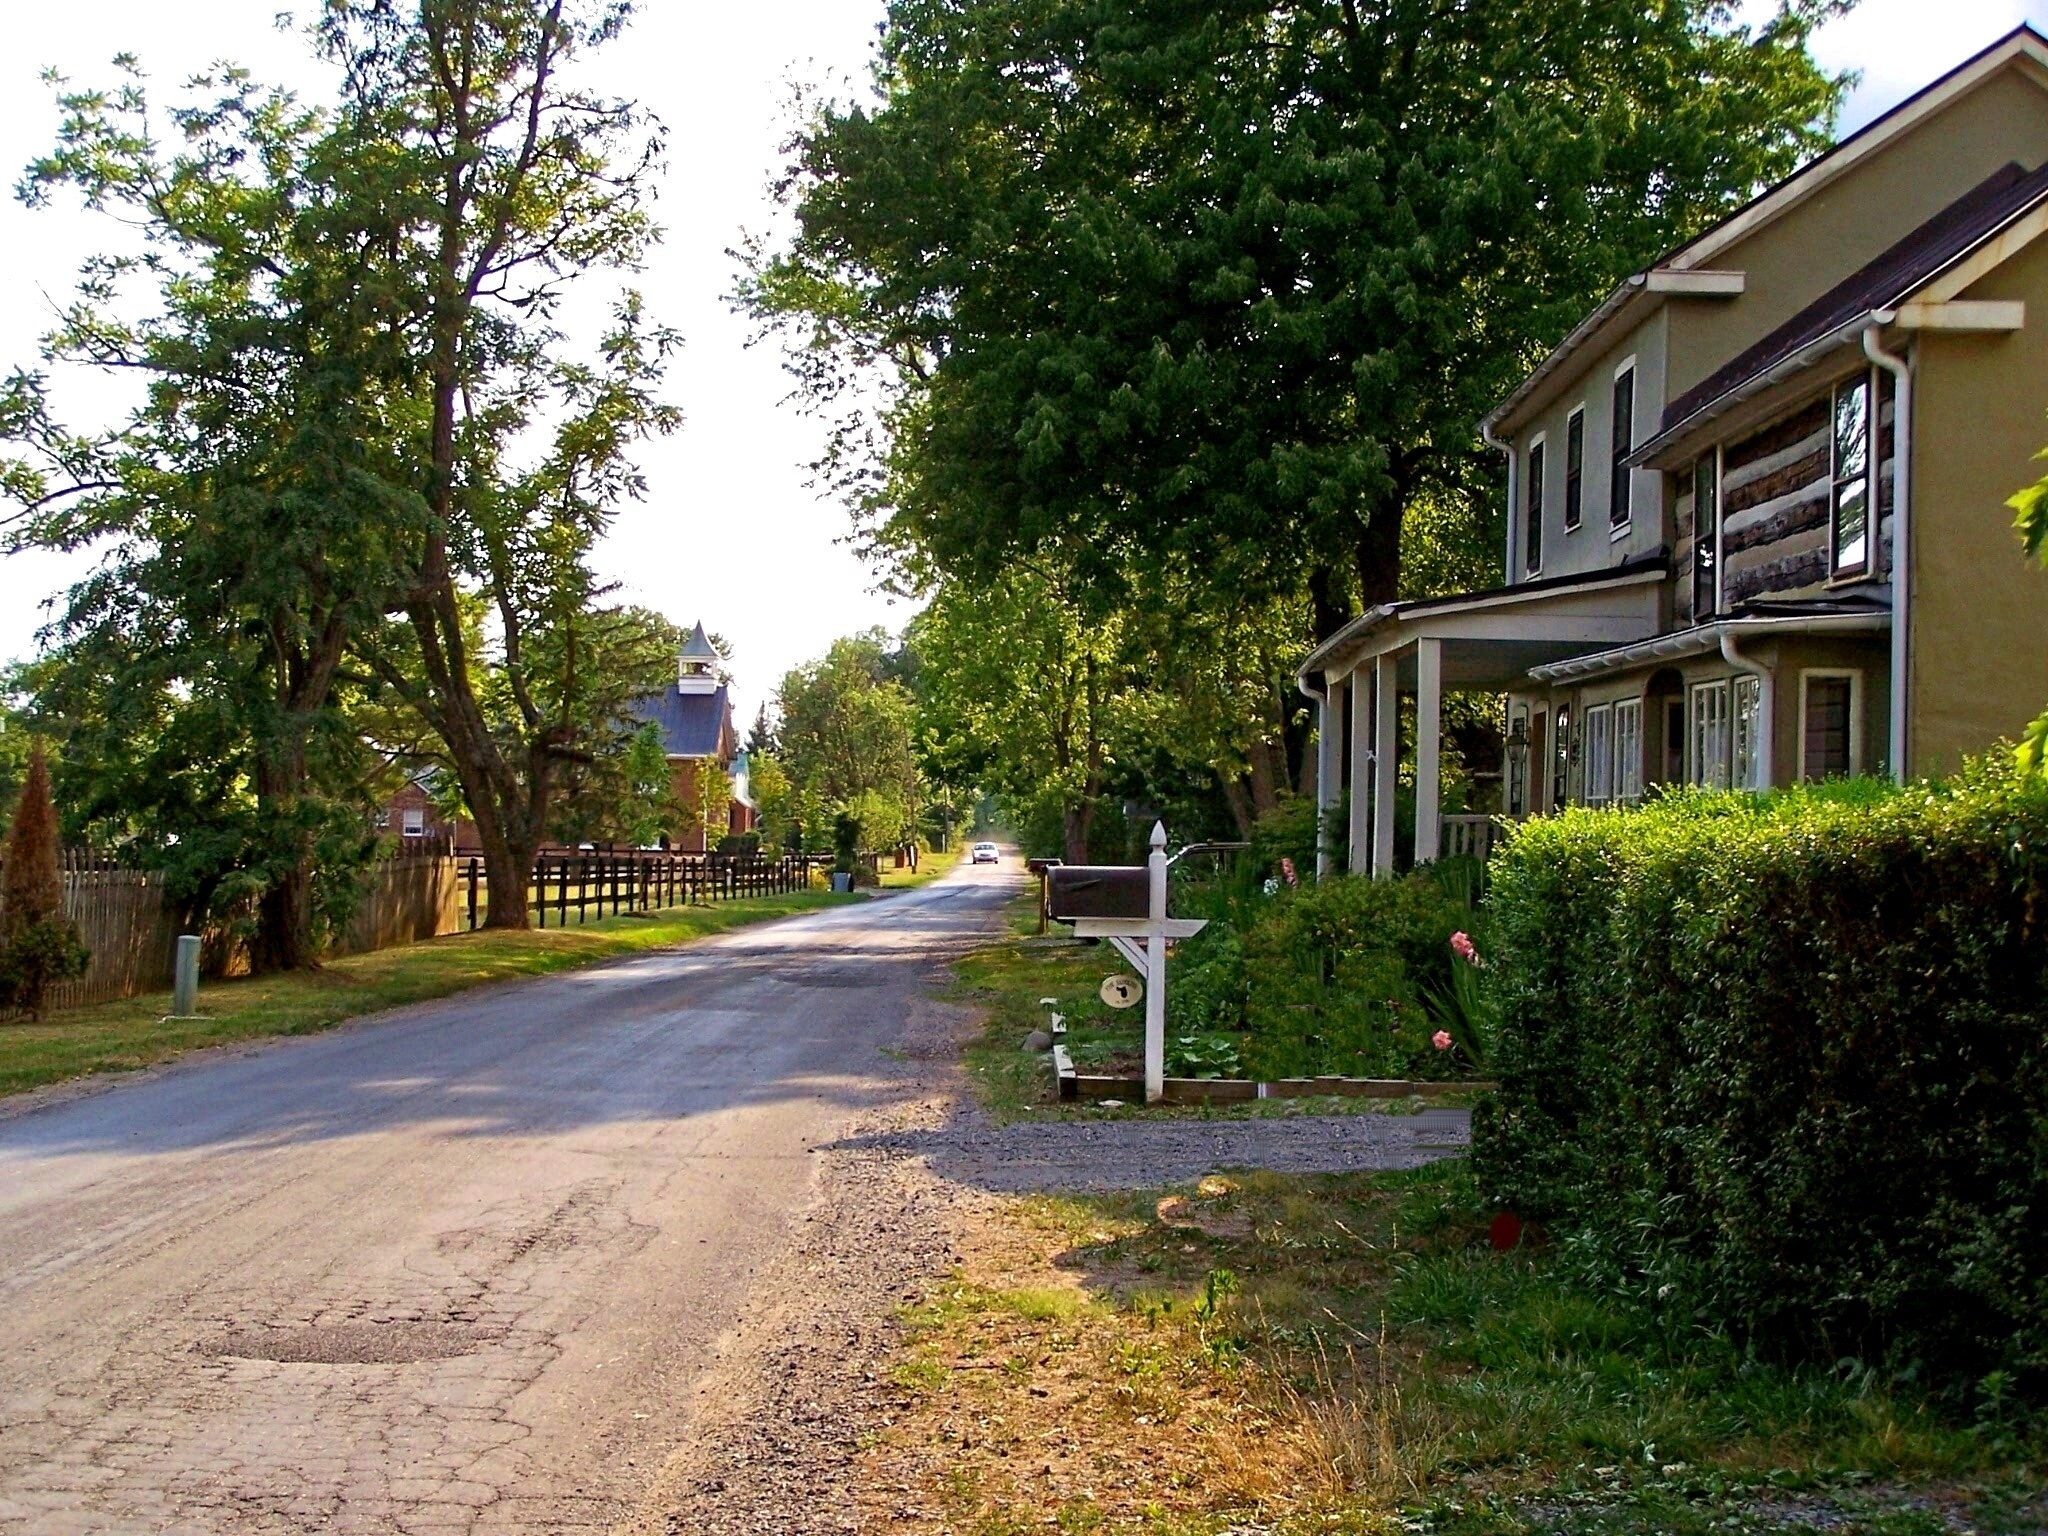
453	1270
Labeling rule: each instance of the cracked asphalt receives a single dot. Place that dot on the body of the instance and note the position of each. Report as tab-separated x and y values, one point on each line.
455	1269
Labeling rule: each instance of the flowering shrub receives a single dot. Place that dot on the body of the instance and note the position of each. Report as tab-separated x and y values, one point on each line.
1337	977
1782	1063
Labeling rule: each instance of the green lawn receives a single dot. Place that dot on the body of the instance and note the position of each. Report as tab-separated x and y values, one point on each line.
124	1036
930	867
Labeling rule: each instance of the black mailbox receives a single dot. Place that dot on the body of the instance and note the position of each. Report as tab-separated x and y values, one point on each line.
1100	890
1040	866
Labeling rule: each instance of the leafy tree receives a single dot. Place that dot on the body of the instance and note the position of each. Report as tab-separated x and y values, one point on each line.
246	505
501	182
1229	284
39	945
847	742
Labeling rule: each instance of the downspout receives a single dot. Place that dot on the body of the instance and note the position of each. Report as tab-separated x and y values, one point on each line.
1902	548
1766	707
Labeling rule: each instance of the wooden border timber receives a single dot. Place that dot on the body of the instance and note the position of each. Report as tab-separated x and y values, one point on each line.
1231	1090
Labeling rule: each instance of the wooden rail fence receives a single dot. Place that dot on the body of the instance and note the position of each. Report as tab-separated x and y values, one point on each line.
416	893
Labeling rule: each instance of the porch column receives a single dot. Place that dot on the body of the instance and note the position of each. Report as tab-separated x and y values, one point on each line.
1357	833
1429	703
1329	768
1386	766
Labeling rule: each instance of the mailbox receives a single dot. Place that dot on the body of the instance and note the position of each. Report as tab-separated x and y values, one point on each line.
1100	890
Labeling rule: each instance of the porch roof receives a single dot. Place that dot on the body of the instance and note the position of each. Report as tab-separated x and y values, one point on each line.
1702	639
1492	638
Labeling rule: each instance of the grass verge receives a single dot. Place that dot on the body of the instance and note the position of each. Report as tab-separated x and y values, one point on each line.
929	867
125	1036
1285	1355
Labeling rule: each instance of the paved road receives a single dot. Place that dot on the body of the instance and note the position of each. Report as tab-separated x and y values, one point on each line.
456	1270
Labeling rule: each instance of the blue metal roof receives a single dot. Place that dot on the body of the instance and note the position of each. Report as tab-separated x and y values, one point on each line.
692	724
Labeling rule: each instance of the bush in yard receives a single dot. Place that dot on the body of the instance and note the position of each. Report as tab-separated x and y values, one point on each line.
39	945
1781	1062
1338	977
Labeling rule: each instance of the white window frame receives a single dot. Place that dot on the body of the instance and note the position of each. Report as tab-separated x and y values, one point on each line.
412	821
1708	734
1864	570
1855	677
1628	750
1598	777
1533	498
1745	734
1627	365
1575	417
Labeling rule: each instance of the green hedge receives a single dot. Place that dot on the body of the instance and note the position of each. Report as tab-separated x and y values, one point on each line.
1781	1061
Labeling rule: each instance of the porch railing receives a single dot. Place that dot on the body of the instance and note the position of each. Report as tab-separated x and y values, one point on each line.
1468	837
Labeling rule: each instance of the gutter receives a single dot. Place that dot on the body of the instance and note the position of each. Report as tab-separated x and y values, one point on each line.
1704	638
1902	547
1564	350
1795	363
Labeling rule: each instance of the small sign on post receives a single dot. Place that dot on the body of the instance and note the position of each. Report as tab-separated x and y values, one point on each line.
185	980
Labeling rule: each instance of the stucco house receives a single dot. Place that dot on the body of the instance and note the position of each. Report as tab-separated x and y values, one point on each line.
1757	521
695	721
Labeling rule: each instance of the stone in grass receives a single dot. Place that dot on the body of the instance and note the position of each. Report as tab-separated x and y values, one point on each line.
1109	1103
1038	1040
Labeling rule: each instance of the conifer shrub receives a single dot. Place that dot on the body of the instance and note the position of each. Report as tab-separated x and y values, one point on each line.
1781	1064
39	945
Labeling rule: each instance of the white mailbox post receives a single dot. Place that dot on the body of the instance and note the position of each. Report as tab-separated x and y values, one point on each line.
1143	941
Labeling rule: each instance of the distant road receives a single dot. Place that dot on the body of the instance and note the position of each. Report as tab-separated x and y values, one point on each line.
455	1270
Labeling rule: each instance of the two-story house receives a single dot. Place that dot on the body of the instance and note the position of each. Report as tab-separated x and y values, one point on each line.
1757	521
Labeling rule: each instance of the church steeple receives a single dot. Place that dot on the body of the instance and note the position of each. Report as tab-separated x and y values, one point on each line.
696	670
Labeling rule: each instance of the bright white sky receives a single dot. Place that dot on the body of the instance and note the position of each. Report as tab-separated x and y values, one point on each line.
730	532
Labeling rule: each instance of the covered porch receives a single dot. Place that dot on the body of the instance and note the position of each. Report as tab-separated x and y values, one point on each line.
1473	641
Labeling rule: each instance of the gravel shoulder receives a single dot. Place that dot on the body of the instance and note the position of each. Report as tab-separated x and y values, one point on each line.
803	1383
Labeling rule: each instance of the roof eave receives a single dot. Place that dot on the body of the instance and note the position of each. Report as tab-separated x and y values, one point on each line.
1704	638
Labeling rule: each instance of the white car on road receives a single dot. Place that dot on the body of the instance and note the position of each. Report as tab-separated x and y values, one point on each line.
987	853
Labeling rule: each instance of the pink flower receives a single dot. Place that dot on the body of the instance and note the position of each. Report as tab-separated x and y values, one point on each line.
1287	869
1441	1039
1465	949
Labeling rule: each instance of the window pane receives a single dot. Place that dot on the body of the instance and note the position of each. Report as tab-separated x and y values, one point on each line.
1710	735
1827	727
1624	440
1532	516
1628	750
1574	468
1852	429
1599	755
1748	770
1852	524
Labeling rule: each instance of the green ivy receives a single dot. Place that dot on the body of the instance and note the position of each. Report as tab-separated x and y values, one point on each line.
1781	1062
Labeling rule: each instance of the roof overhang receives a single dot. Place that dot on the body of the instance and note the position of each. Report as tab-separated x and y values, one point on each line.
1759	396
1703	639
1688	272
1493	637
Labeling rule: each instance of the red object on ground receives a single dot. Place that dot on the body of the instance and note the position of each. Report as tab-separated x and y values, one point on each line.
1505	1232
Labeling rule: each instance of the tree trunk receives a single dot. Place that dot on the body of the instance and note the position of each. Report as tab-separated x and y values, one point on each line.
1077	821
284	923
1240	805
1265	784
1378	556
